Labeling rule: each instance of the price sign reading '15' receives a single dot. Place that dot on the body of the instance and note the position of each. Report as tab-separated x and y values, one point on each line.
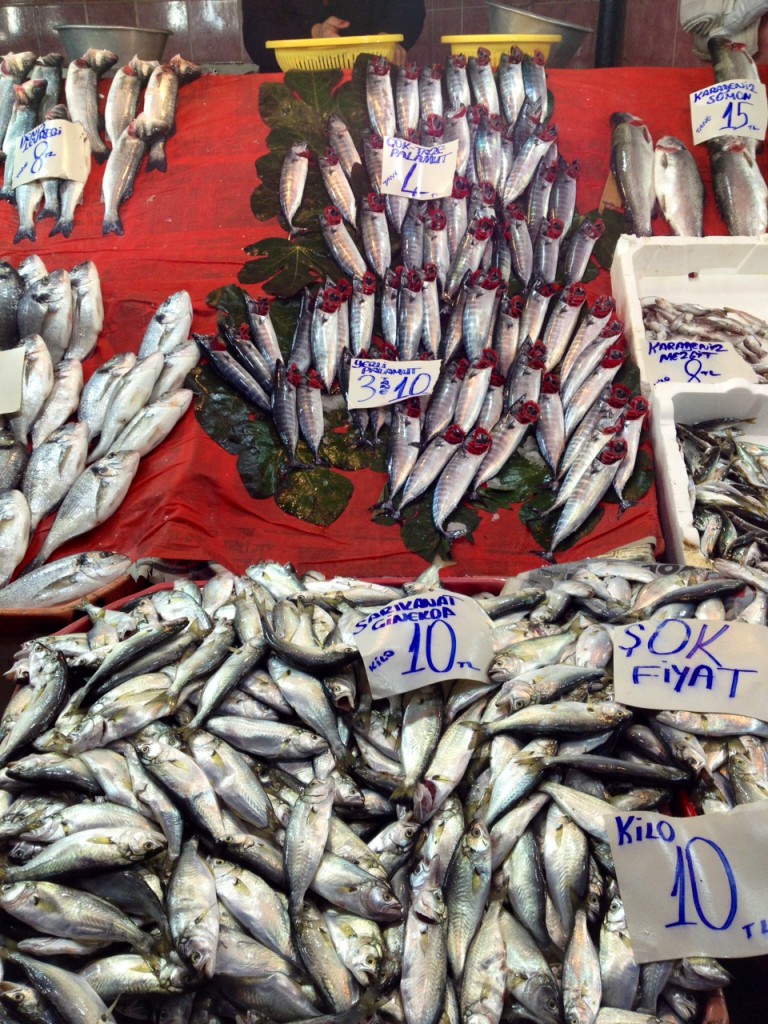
427	638
692	665
418	172
729	108
708	894
375	382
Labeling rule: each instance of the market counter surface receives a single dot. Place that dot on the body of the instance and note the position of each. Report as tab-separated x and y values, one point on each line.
189	228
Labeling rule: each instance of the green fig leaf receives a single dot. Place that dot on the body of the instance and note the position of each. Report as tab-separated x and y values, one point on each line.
341	449
639	483
616	224
518	480
418	531
260	465
230	299
220	411
317	496
542	528
285	266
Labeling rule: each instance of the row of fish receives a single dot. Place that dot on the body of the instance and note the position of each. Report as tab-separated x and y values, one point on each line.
128	406
30	89
496	389
727	481
669	176
205	816
449	297
686	322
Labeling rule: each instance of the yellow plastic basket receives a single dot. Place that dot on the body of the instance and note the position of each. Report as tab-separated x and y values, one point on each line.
324	54
499	44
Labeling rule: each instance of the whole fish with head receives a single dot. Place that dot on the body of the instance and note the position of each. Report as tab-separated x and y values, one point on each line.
24	116
122	167
160	102
14	68
122	104
82	94
36	385
632	166
94	496
53	467
678	186
293	178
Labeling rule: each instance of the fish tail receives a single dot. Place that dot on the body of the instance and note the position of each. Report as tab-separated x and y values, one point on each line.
112	226
25	233
404	792
47	212
157	160
62	227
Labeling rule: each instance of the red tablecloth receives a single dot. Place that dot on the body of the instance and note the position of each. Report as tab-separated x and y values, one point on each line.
188	228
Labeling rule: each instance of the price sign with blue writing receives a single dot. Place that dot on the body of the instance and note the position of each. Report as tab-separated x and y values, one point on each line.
374	382
54	149
418	172
423	639
709	896
692	665
729	108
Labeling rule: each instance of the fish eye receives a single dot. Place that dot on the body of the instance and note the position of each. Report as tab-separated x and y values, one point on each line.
371	961
196	957
519	704
409	831
551	1004
149	845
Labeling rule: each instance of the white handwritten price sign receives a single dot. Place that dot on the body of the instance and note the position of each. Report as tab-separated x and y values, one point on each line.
11	372
709	894
729	108
374	382
418	172
692	665
55	149
695	361
424	639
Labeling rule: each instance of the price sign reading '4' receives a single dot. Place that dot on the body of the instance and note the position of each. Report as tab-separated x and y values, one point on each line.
424	639
707	894
418	172
729	108
375	382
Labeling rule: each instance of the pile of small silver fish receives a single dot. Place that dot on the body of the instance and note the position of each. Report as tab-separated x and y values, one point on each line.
668	175
686	321
536	363
30	90
127	407
727	482
205	816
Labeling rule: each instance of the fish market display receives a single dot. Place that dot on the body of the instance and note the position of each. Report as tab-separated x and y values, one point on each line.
726	485
206	816
488	280
73	448
671	322
668	174
30	90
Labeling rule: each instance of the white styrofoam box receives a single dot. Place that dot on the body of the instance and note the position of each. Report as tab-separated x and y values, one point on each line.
670	405
710	272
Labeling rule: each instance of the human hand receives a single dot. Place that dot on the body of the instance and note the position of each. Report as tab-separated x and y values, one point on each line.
400	57
329	28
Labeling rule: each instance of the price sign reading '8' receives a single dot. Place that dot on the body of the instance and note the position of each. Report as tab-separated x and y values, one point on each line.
423	639
708	894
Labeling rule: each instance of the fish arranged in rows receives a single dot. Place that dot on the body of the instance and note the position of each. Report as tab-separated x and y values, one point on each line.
30	90
687	322
505	358
204	813
727	481
134	137
668	175
86	439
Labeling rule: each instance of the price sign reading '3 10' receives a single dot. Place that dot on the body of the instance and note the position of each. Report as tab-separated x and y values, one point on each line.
709	895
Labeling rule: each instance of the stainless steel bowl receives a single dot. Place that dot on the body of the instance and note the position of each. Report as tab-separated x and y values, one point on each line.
506	20
146	43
